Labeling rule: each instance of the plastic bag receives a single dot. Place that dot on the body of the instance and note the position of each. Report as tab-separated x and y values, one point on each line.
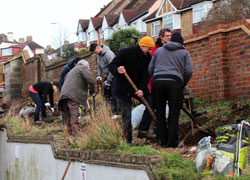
232	142
205	156
137	113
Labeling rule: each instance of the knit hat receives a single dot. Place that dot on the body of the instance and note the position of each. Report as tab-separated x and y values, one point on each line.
176	37
147	42
84	63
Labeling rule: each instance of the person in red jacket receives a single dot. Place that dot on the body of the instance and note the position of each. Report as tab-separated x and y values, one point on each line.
164	37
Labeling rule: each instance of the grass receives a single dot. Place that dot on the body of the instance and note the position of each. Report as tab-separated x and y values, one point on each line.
99	132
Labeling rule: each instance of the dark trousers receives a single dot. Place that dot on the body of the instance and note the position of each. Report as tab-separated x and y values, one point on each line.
171	91
39	105
124	104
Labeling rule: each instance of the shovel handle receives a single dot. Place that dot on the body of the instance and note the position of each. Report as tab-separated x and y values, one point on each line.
142	98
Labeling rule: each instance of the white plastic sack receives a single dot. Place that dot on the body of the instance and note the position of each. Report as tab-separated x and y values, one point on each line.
137	113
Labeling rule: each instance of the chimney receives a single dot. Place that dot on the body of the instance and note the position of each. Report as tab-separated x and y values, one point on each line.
10	36
29	38
66	42
48	47
21	40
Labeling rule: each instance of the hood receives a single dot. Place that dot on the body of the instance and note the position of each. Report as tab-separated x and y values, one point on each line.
70	62
104	49
172	46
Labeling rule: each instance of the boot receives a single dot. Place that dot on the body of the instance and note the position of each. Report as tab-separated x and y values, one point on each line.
36	118
146	135
75	129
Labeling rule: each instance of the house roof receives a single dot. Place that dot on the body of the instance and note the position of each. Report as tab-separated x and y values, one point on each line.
188	3
111	19
50	51
97	22
33	45
143	9
128	14
102	9
115	7
179	4
84	23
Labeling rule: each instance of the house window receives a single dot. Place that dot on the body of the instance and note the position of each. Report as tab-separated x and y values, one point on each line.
107	33
168	21
172	21
7	52
134	25
155	28
93	36
82	36
200	11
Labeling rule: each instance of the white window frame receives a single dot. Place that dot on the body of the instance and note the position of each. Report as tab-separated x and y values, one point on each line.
107	33
154	25
175	20
7	52
200	11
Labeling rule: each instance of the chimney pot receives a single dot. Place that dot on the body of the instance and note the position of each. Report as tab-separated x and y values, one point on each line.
66	42
48	47
21	40
10	36
29	38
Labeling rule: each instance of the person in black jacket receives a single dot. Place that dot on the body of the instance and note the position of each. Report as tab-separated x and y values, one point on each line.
134	61
39	92
70	65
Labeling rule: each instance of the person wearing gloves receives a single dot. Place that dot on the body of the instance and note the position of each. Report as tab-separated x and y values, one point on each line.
39	92
74	92
171	69
134	61
70	65
104	58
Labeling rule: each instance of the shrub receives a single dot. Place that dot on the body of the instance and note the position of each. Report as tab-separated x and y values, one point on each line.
124	38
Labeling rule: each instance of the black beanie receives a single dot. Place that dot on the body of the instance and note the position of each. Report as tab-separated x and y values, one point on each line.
176	37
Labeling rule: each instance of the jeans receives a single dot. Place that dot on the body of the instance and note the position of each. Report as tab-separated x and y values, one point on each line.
125	103
39	104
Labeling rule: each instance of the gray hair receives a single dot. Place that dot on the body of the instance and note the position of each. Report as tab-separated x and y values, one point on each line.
84	63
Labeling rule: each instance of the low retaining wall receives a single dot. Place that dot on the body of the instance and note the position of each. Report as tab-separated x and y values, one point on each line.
41	157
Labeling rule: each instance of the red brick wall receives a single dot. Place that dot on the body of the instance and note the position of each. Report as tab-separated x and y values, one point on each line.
221	61
35	70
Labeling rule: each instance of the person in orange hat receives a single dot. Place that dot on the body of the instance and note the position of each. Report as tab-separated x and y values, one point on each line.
135	61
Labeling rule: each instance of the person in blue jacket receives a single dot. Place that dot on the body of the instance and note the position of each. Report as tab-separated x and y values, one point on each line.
71	63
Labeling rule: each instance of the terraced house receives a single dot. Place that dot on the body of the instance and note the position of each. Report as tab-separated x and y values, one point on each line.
147	16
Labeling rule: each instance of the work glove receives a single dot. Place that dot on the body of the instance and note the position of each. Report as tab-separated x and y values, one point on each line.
99	79
47	104
107	84
52	110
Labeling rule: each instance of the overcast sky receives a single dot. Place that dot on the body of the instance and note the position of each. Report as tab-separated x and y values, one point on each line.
34	17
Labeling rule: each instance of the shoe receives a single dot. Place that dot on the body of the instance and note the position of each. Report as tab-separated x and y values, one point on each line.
38	122
146	135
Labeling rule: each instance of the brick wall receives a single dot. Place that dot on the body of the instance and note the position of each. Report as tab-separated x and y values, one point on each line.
36	70
221	61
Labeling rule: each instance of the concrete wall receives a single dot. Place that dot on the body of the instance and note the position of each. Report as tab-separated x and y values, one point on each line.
13	79
22	161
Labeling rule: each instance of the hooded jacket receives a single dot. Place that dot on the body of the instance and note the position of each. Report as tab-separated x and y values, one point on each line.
171	61
103	61
65	70
136	65
75	86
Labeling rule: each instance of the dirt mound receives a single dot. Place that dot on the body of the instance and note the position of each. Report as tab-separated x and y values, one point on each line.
221	116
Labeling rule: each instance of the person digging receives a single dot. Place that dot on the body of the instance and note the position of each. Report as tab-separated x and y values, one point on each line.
73	93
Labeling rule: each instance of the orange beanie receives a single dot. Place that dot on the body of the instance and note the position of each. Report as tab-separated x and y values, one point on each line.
147	42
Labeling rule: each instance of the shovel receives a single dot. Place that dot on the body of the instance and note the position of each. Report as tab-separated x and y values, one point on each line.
142	98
